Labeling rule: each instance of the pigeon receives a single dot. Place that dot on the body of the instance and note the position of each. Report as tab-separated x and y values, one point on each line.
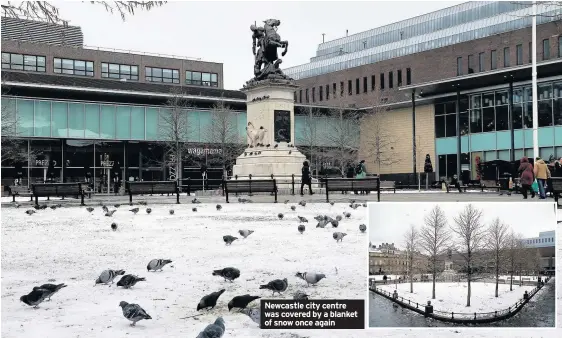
244	200
322	224
303	219
302	203
276	145
328	219
129	281
157	264
252	153
227	273
194	209
299	295
362	227
245	233
290	152
148	210
354	206
53	207
107	276
310	277
339	218
37	207
133	312
338	236
43	206
142	203
280	215
335	223
331	203
229	239
90	209
117	205
35	297
215	330
104	208
241	301
301	228
30	212
110	213
210	300
347	215
293	208
277	285
114	226
352	201
134	210
52	288
245	154
267	145
195	201
319	218
253	313
365	205
219	206
172	211
286	201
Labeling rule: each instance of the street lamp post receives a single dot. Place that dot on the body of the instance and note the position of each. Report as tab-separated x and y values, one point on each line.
534	84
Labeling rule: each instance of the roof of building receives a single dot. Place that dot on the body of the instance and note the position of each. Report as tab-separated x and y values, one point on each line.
44	32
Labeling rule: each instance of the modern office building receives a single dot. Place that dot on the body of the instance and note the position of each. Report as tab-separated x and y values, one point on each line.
82	110
545	243
454	84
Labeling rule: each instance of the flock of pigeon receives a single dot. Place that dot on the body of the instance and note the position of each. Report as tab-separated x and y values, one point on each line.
135	313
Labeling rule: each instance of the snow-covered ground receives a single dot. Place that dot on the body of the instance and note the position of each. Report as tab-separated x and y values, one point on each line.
518	278
69	245
451	297
380	277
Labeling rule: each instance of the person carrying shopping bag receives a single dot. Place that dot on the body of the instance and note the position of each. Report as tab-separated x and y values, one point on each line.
527	177
541	174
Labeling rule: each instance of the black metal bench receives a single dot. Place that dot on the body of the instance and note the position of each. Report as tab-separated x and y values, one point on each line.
388	185
57	190
489	184
463	186
153	187
352	184
250	186
556	188
20	190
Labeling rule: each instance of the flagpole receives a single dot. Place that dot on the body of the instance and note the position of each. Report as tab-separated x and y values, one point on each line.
534	84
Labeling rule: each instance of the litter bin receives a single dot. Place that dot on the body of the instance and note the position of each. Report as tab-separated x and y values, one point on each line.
506	184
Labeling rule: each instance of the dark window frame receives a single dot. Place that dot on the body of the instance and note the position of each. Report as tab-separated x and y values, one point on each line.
335	89
321	93
519	54
531	52
481	61
365	85
471	64
381	81
493	59
349	87
307	98
327	92
546	51
313	94
408	76
189	79
342	88
32	68
373	83
506	57
75	72
399	77
300	96
120	74
357	87
459	66
390	80
151	78
560	46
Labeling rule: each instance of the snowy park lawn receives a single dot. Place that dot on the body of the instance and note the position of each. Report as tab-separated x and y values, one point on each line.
518	278
69	245
451	297
380	277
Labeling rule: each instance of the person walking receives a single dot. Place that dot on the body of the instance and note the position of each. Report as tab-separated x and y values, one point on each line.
361	172
306	178
542	174
527	177
350	173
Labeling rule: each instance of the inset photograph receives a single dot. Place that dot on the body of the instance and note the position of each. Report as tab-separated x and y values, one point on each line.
462	264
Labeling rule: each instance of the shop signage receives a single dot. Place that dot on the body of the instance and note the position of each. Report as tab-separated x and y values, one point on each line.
203	151
44	163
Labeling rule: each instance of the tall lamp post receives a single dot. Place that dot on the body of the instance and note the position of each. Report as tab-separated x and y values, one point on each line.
534	84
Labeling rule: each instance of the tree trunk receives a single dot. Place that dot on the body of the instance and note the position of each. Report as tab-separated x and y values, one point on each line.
434	271
511	281
411	277
468	293
497	276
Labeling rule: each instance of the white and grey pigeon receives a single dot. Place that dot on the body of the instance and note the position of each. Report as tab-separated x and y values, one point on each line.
90	209
195	201
303	219
299	295
310	277
107	276
30	212
319	218
347	214
133	312
362	227
293	208
245	232
157	264
110	213
339	218
227	273
338	236
229	239
104	208
276	285
244	200
172	211
322	224
215	330
335	223
302	203
253	313
134	210
301	228
148	210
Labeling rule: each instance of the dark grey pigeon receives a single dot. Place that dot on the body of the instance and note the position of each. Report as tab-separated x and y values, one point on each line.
365	205
104	208
110	213
227	273
241	302
335	223
129	281
43	207
114	226
219	206
142	203
244	200
53	207
310	277
117	205
299	295
148	210
303	219
194	209
286	201
362	227
245	233
52	288
322	224
277	285
339	218
107	276
338	236
133	312
331	203
172	211
229	239
301	228
157	264
195	201
302	203
17	205
209	301
134	210
319	218
35	297
30	212
90	209
347	215
215	330
280	215
293	208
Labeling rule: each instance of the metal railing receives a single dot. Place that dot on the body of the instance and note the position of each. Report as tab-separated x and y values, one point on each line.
126	51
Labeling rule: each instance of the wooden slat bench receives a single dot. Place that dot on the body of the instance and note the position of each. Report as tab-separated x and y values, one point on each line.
20	190
556	188
57	190
86	189
153	187
352	184
250	186
388	185
489	184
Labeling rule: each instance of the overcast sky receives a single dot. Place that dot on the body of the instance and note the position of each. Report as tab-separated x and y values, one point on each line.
389	221
220	31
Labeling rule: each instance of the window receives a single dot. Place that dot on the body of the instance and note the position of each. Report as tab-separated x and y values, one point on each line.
73	67
382	81
459	66
373	82
327	92
493	60
470	64
201	79
408	76
341	89
313	94
481	62
169	75
320	93
117	71
334	89
349	88
399	77
357	86
519	55
530	52
300	96
365	86
560	46
545	49
506	58
33	63
306	96
295	93
390	80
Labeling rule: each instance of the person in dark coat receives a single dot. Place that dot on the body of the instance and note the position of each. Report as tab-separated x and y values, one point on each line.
116	184
527	177
305	178
557	168
349	173
455	183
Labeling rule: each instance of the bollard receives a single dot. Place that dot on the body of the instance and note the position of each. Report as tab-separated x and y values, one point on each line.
428	308
292	184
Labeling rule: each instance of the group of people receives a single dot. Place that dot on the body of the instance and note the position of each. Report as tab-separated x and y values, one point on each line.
539	174
352	171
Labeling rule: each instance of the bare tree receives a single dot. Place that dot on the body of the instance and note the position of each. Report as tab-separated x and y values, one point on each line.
497	243
49	12
343	136
310	134
434	239
411	241
379	140
14	147
224	133
513	254
470	232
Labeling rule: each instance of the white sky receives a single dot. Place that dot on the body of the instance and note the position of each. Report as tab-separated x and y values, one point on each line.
389	221
220	31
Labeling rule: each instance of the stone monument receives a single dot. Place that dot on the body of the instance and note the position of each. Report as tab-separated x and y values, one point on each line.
270	111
